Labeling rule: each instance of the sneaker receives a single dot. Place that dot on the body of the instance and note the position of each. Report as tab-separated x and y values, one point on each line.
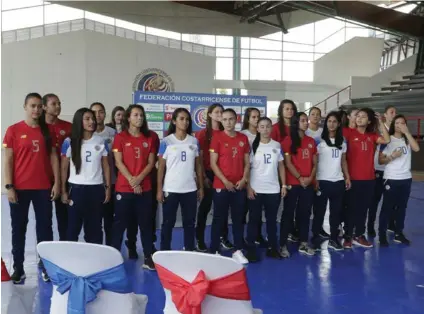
226	244
132	251
335	245
201	246
400	238
284	252
45	275
347	243
362	241
305	249
252	256
148	263
371	232
324	234
239	257
292	238
316	242
273	253
383	241
18	276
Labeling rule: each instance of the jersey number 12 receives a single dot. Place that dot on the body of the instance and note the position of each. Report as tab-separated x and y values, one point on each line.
267	158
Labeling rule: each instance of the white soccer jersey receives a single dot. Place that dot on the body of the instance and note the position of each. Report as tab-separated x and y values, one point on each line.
400	168
180	163
108	134
377	166
330	161
264	168
250	137
92	151
316	135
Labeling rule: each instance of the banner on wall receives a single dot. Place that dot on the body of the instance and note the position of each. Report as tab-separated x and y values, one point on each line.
159	107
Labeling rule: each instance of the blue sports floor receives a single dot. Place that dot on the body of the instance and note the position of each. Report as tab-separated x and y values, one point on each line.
374	281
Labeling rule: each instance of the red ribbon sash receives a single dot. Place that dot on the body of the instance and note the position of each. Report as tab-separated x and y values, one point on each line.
188	297
4	273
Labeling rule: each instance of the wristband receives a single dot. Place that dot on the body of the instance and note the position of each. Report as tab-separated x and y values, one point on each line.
284	186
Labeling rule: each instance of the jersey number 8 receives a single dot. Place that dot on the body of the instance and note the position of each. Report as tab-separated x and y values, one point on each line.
183	156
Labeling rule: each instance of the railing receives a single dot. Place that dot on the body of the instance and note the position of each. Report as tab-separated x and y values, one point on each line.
86	24
416	126
334	101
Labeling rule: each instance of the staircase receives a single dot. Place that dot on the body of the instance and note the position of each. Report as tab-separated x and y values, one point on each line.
410	83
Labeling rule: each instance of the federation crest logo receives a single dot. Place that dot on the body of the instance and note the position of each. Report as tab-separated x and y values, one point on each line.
200	116
97	147
241	144
62	132
145	145
274	150
153	80
192	147
310	145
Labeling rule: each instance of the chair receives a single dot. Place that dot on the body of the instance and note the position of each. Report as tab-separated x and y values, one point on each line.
15	299
84	259
187	266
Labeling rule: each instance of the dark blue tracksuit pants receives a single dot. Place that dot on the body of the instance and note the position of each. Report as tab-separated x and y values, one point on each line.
188	202
224	200
130	207
299	200
43	209
270	203
86	209
378	193
333	192
360	199
108	212
61	218
395	202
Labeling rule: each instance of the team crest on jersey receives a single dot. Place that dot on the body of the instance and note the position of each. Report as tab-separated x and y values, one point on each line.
62	132
274	150
145	145
241	144
23	136
226	145
97	147
368	139
356	139
127	144
310	145
192	147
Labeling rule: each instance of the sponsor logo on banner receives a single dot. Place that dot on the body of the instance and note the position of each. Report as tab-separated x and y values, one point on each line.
154	116
237	109
166	126
168	116
172	108
238	118
153	80
238	127
156	126
160	134
152	107
199	116
261	109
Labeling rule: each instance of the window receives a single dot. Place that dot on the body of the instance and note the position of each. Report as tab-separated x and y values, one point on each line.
163	33
274	36
298	56
22	18
223	52
298	71
352	32
244	69
224	69
331	42
207	40
267	70
302	34
54	13
272	109
224	91
16	4
264	44
224	41
326	28
263	54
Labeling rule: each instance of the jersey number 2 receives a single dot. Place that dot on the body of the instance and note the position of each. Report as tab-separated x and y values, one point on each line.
87	156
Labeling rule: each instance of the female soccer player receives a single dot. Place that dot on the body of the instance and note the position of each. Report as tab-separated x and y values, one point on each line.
361	143
213	127
108	134
250	124
332	180
134	150
231	166
351	118
389	114
87	155
30	149
301	162
264	191
116	119
397	179
281	129
314	130
62	129
179	156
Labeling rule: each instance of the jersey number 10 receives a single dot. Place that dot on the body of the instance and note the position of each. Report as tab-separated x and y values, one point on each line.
335	153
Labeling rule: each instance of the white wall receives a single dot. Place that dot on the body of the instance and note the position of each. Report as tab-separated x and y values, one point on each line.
358	57
365	86
83	67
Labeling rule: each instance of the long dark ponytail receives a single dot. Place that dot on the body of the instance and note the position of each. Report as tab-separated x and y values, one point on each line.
257	139
42	123
77	136
294	132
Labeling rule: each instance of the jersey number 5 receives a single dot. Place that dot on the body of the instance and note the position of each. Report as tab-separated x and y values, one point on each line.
267	158
36	146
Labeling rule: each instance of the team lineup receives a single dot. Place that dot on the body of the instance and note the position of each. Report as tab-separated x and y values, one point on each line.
109	178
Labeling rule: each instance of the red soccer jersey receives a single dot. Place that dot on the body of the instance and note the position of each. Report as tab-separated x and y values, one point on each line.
231	151
135	155
276	135
30	157
360	154
204	146
303	160
62	129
